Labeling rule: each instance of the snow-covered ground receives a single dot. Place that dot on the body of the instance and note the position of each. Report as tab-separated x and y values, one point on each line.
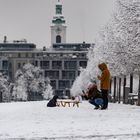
33	120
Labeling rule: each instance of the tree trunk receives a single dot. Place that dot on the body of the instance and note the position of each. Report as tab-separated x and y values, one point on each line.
139	92
0	97
114	89
124	84
131	83
110	86
110	91
119	95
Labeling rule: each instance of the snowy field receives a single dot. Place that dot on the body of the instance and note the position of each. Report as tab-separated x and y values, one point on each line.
34	121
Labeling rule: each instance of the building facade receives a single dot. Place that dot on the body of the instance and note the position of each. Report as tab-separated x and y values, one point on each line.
61	63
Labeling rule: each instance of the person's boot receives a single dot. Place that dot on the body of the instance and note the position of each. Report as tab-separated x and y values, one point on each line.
97	107
103	108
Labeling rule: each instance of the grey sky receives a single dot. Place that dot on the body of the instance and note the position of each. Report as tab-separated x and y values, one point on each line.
31	19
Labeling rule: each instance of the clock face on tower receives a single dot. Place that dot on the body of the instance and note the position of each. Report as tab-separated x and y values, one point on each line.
58	30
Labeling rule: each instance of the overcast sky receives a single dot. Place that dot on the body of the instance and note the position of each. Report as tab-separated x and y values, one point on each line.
31	19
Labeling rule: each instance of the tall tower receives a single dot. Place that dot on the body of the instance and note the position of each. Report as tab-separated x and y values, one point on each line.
58	28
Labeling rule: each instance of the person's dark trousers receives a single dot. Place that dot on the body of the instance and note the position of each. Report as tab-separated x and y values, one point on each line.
105	98
93	103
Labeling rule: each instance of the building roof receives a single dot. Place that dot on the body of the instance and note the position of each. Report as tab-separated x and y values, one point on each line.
17	46
71	46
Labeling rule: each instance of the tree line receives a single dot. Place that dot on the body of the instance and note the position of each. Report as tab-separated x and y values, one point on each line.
29	84
117	44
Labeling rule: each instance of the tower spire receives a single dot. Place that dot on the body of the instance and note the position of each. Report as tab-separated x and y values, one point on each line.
58	8
58	18
58	28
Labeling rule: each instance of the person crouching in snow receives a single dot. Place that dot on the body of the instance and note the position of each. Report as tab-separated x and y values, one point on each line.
94	96
53	101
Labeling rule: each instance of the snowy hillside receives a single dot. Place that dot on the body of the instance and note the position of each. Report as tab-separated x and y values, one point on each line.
33	120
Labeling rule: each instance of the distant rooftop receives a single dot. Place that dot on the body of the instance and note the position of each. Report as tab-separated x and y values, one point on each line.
71	46
17	46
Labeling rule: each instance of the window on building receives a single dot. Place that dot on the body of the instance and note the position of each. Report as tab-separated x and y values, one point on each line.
59	92
53	84
72	82
5	64
36	63
68	74
19	55
52	74
83	64
58	39
33	55
19	65
70	65
83	55
26	55
56	64
68	93
61	55
47	55
44	64
10	66
37	54
64	84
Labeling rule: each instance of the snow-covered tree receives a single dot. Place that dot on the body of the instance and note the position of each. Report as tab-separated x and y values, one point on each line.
4	88
80	83
48	92
19	90
127	34
30	82
118	42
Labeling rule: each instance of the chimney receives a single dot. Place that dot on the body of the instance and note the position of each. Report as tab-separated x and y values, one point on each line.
44	48
5	39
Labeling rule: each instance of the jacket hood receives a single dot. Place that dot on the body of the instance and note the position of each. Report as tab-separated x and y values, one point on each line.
102	66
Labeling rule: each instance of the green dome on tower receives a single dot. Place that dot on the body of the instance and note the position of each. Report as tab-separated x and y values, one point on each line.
58	18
